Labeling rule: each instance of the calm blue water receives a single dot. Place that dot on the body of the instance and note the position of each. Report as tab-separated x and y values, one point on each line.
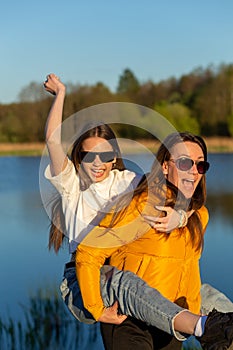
26	264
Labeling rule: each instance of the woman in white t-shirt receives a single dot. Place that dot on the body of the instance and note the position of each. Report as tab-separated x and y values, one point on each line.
88	183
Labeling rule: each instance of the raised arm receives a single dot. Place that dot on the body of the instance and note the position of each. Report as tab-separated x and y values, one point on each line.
58	158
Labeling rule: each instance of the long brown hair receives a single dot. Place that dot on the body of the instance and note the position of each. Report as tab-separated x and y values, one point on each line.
94	129
165	192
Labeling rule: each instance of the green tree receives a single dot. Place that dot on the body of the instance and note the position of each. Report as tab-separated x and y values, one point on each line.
190	84
86	96
230	124
11	127
212	104
32	92
128	83
229	75
179	116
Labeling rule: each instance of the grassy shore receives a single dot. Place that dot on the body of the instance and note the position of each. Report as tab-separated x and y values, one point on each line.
21	149
214	144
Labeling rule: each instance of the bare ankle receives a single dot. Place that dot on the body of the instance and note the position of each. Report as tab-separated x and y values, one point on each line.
185	322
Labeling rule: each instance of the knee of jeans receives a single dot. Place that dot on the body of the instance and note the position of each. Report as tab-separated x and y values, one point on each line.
64	288
105	269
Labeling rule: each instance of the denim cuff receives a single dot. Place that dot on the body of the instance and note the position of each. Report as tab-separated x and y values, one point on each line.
178	335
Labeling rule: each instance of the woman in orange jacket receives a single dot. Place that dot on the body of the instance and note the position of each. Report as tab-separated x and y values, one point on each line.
96	177
169	263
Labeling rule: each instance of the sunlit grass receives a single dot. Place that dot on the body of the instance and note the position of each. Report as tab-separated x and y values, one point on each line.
23	153
214	145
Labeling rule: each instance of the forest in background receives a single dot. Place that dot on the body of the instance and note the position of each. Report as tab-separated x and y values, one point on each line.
201	102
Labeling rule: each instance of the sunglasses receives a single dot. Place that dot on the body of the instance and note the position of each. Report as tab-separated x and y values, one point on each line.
89	157
185	164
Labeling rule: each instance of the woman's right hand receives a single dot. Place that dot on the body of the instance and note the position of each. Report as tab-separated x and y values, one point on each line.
169	222
58	159
110	315
53	84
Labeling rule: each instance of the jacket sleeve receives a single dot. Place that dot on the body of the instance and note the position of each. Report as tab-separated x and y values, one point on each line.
100	244
88	263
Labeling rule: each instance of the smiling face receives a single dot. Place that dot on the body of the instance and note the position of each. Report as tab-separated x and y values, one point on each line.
185	181
97	170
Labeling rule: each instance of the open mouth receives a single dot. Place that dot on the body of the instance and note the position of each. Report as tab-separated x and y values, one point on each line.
97	172
188	184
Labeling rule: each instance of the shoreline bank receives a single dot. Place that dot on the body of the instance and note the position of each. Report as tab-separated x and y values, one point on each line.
214	145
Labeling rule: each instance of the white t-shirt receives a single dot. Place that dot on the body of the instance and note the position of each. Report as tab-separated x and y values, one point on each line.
81	207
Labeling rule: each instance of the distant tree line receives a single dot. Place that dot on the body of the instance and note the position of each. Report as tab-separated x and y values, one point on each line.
201	101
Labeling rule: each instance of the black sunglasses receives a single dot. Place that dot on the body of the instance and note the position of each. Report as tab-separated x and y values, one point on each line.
89	157
185	164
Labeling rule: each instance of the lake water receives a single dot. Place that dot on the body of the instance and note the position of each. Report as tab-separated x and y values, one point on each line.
27	265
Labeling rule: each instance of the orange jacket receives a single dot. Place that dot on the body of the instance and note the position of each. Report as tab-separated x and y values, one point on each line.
167	262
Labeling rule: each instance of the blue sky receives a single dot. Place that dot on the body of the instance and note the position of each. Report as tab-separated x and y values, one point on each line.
95	40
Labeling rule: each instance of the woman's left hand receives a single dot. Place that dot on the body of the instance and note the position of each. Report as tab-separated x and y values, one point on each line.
165	223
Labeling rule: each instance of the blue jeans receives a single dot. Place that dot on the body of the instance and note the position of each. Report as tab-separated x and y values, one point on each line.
135	298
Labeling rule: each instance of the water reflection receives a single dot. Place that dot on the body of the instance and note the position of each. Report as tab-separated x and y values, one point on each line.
48	325
219	177
26	264
221	205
